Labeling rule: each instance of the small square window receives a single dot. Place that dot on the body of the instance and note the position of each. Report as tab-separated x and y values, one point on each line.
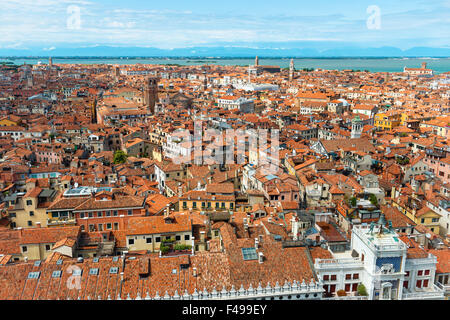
130	241
187	237
148	240
158	239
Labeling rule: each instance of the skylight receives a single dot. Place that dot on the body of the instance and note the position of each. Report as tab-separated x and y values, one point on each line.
34	275
249	254
56	274
113	270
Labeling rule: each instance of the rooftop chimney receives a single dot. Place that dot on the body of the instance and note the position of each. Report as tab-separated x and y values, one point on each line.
202	236
260	257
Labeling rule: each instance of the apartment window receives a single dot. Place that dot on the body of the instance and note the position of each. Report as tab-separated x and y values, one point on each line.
108	226
332	288
31	213
203	204
194	205
148	240
223	204
435	220
333	277
30	223
407	274
130	212
405	284
422	220
91	214
177	238
115	213
425	283
419	284
326	277
348	277
420	273
347	287
158	239
356	276
354	287
29	202
184	204
24	249
99	214
187	237
81	215
231	205
427	272
130	242
217	205
108	213
116	226
12	215
47	247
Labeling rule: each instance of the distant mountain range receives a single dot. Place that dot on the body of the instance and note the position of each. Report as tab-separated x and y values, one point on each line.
227	51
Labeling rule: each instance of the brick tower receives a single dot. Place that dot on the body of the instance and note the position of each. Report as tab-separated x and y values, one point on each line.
151	93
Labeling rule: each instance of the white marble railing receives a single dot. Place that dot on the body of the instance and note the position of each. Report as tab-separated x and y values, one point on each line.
338	263
431	293
313	290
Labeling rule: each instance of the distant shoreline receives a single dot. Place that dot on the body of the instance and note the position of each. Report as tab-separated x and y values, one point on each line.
212	58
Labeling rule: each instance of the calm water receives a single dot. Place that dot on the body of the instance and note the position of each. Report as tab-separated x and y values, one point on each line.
439	65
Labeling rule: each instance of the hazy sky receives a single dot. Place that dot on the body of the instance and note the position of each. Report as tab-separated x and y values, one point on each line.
180	23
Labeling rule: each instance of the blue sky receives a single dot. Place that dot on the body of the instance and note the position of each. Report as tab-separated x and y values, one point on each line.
183	23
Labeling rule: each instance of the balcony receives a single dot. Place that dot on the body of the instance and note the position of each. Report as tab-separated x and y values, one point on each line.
445	287
61	222
431	293
345	263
